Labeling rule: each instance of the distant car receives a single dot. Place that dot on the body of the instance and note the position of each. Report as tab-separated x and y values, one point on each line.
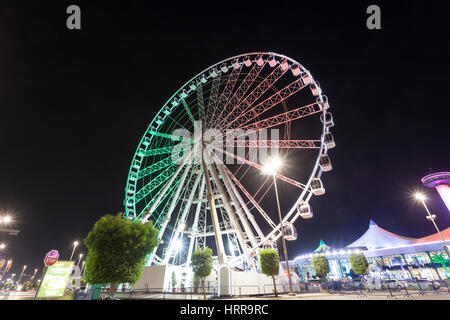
424	284
395	284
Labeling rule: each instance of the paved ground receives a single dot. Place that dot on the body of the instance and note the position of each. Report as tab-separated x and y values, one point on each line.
322	296
4	295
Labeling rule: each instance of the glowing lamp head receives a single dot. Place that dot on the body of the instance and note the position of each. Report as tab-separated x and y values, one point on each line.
75	243
272	165
177	245
419	196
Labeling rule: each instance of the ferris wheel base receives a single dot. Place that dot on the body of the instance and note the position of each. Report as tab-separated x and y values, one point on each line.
228	282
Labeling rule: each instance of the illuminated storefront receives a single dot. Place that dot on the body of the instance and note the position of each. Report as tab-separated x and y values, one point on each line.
390	256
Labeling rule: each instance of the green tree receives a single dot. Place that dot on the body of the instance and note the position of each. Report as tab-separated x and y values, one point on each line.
174	280
202	265
117	249
27	285
359	263
321	267
270	265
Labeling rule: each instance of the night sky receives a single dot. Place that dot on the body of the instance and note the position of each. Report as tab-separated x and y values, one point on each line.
75	103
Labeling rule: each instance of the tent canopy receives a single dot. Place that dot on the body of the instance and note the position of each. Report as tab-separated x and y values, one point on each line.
323	247
376	237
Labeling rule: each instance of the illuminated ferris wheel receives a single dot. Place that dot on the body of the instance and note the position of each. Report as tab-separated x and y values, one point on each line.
196	172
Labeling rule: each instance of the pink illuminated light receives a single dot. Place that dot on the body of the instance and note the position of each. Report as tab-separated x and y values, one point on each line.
444	192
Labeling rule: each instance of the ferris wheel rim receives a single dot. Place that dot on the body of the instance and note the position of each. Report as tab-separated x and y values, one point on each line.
316	172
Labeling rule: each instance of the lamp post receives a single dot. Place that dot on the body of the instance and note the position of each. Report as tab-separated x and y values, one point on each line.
271	168
422	198
34	274
8	265
79	259
24	267
82	266
74	246
431	217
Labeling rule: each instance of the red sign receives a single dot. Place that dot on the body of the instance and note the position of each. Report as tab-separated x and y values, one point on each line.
51	257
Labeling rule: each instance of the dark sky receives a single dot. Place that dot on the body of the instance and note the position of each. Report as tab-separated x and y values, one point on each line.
74	105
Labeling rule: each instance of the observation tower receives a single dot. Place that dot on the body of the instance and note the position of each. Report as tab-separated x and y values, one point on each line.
441	182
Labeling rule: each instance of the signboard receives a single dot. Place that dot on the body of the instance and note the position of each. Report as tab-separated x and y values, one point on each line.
55	279
51	257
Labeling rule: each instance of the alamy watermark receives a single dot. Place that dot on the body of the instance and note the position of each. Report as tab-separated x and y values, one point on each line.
234	146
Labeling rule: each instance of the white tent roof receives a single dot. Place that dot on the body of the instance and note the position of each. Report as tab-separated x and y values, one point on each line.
376	237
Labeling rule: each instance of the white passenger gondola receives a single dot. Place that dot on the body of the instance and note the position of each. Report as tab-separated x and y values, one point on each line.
259	61
328	119
306	78
329	140
183	93
284	65
224	67
304	210
296	70
323	103
290	233
325	163
317	187
235	63
315	89
247	61
272	62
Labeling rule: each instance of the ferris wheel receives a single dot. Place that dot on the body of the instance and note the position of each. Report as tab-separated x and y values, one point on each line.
236	110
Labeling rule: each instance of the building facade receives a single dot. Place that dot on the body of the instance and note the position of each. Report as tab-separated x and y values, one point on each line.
390	256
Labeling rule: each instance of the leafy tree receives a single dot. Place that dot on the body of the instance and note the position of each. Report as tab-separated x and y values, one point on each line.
27	285
174	279
117	249
270	264
7	285
359	263
321	267
202	265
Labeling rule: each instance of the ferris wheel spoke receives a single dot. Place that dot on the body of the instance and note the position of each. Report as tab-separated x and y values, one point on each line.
182	220
282	144
227	92
164	219
267	104
188	111
230	212
167	136
171	180
200	102
228	89
257	92
250	198
286	117
260	167
168	194
243	87
213	94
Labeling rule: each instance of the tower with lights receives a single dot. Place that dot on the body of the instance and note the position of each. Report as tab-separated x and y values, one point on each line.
441	182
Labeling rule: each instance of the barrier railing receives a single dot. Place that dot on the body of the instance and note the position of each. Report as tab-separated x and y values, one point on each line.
391	289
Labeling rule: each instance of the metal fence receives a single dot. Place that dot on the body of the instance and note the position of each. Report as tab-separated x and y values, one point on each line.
397	289
212	291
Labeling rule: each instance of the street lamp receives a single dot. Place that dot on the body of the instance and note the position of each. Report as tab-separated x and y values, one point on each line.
271	167
2	246
419	196
74	246
79	259
23	270
35	270
82	266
